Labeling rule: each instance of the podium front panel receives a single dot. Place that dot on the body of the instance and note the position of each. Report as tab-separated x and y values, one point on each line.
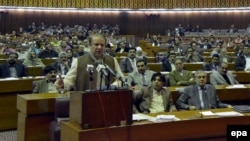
101	108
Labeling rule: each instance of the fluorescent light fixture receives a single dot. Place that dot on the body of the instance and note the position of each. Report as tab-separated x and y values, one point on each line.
160	10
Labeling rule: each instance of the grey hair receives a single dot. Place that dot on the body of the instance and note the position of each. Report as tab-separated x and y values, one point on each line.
198	72
62	53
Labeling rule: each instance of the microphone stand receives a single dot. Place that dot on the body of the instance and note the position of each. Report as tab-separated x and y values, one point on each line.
90	80
108	81
100	86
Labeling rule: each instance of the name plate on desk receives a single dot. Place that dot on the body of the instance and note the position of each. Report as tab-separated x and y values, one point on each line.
99	109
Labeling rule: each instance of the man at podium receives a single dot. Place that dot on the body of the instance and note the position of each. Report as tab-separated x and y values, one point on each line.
93	70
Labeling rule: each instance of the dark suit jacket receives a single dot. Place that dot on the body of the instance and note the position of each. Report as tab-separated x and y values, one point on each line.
21	70
209	67
240	63
166	65
208	46
118	49
126	66
190	97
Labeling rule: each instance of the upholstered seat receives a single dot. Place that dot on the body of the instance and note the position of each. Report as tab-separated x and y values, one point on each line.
61	113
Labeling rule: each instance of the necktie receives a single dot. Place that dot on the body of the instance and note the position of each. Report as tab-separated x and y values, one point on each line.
202	94
144	80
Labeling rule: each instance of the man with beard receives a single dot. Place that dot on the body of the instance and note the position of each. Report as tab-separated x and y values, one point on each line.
12	68
46	85
128	64
141	77
200	95
222	76
49	52
212	66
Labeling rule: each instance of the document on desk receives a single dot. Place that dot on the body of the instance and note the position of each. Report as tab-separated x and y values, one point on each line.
139	117
236	86
228	114
208	113
164	118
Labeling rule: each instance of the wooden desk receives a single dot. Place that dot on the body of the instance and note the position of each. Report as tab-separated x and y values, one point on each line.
209	58
36	111
35	71
48	61
8	93
186	129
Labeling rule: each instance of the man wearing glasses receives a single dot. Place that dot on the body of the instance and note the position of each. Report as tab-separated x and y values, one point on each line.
200	95
222	76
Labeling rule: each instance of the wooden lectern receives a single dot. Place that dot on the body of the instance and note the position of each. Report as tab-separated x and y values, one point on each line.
96	109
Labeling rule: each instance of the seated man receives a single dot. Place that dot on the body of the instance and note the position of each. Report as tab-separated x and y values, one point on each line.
192	56
168	64
141	77
243	61
128	64
212	66
222	76
46	85
12	68
155	98
62	64
180	77
200	96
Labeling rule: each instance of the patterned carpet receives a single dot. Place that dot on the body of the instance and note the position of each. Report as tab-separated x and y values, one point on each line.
8	135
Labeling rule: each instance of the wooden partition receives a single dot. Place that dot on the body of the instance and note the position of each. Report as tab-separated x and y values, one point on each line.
9	90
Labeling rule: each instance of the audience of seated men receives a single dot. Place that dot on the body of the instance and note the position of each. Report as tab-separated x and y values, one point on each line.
128	64
49	52
46	85
205	45
121	47
222	76
200	96
155	98
12	68
180	77
32	59
141	77
212	66
168	63
243	61
62	64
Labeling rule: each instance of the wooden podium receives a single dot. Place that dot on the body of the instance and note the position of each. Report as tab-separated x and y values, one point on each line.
96	109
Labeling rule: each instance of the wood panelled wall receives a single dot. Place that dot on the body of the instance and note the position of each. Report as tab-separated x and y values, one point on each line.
127	3
130	23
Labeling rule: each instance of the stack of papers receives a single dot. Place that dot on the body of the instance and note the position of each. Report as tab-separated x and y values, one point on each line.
165	118
228	114
208	113
236	86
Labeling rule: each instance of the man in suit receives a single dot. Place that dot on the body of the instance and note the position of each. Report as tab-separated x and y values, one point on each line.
12	68
168	64
62	64
200	95
46	85
212	66
222	76
128	64
180	77
156	98
243	61
224	57
141	77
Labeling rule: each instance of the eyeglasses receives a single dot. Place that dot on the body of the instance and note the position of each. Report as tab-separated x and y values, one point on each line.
201	76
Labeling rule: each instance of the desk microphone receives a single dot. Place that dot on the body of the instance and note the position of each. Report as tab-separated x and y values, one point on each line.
90	68
101	68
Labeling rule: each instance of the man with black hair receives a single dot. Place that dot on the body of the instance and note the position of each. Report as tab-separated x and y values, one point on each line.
156	98
168	64
12	68
46	85
212	66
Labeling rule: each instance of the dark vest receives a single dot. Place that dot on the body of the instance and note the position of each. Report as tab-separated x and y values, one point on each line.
82	77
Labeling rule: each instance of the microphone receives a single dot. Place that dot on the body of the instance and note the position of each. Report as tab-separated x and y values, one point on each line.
110	70
90	68
101	68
